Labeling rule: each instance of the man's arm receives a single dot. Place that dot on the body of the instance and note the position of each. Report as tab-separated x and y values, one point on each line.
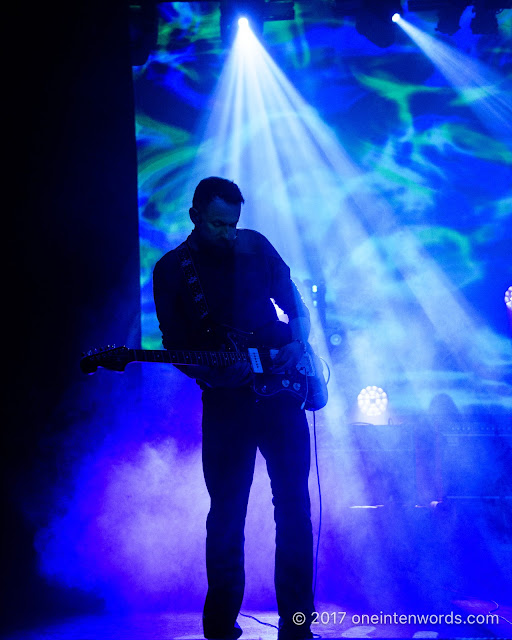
300	328
287	296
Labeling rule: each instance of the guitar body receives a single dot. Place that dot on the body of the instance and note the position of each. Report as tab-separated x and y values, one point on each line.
305	381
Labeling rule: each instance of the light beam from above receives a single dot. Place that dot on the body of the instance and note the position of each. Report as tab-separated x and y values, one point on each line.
486	91
296	176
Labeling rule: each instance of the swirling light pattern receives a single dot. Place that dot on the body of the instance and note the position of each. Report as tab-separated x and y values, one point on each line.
376	172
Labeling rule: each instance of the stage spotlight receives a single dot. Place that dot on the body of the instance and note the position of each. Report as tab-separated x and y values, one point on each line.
251	14
449	16
450	12
508	298
372	401
375	21
245	14
485	20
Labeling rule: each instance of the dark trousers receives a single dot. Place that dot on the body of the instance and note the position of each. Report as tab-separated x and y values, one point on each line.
235	424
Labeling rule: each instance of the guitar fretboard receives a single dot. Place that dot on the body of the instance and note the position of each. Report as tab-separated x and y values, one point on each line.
206	358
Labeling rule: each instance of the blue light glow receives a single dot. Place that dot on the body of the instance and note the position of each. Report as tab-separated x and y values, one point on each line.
384	175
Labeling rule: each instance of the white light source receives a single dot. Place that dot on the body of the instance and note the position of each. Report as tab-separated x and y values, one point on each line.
372	401
243	23
508	297
395	17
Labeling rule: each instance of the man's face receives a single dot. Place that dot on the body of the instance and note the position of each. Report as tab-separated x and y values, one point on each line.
216	226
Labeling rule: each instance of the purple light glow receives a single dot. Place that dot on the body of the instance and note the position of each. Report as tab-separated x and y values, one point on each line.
133	529
129	523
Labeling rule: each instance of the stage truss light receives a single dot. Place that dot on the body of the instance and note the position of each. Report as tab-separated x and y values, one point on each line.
450	12
449	16
251	14
372	401
375	20
248	12
485	20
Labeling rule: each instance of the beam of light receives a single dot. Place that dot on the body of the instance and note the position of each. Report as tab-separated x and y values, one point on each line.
262	134
486	91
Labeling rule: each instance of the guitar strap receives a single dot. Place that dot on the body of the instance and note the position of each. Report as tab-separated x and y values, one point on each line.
194	285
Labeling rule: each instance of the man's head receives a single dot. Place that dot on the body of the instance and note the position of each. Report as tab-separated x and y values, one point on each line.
215	212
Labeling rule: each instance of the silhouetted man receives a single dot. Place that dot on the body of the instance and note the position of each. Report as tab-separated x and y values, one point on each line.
223	276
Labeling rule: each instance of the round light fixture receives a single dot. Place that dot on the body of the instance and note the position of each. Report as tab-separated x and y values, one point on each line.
508	297
372	401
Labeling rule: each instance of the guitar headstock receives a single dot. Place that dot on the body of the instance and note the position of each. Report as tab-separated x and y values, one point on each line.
110	357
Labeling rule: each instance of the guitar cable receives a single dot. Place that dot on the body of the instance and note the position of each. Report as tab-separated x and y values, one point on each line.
317	468
315	446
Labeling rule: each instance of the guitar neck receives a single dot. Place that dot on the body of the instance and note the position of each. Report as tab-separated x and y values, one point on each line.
205	358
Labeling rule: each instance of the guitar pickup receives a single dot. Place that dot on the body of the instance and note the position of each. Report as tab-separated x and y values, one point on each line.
255	360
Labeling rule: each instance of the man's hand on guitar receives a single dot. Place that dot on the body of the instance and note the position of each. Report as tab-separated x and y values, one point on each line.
288	357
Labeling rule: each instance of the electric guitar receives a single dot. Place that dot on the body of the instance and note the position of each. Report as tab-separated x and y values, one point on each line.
306	381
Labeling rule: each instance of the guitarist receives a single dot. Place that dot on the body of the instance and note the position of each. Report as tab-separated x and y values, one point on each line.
224	276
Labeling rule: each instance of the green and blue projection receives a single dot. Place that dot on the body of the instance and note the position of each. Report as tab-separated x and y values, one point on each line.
383	177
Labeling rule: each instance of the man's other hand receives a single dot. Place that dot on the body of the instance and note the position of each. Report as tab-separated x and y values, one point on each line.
288	357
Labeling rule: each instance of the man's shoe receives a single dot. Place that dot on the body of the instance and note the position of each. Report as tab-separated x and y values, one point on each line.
304	635
231	634
294	633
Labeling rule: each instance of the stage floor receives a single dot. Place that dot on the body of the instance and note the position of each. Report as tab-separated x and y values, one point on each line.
261	625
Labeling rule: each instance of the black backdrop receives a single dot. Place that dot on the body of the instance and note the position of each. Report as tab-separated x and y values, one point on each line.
71	248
